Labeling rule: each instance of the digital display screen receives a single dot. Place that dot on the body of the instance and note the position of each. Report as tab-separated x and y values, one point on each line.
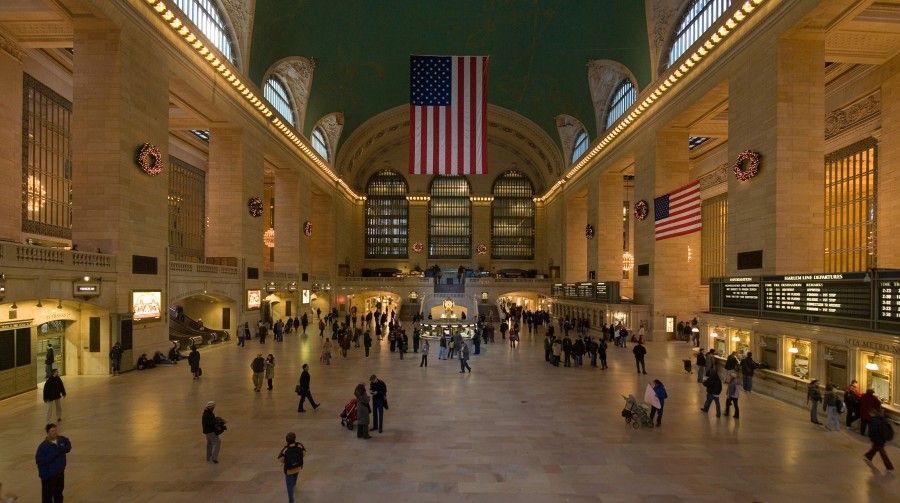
826	294
146	305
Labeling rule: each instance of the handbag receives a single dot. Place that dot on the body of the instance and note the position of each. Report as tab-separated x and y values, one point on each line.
297	389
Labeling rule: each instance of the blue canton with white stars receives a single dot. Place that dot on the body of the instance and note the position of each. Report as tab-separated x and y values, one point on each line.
430	80
661	207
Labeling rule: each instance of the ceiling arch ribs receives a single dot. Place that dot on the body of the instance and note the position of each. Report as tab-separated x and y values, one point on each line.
568	128
332	125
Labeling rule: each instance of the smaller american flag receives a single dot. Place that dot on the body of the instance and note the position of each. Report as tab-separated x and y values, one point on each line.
678	212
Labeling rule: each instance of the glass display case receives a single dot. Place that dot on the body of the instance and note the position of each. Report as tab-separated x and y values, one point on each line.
799	354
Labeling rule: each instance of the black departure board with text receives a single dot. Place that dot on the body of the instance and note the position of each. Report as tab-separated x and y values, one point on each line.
839	295
740	293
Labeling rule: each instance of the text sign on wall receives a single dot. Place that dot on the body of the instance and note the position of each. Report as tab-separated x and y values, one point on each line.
741	293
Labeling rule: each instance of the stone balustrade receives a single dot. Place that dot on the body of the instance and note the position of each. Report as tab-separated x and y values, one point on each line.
23	255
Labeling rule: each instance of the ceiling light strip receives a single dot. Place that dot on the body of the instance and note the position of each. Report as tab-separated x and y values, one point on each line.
229	75
688	63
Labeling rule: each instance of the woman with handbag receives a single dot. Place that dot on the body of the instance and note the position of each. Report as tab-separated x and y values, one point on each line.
363	409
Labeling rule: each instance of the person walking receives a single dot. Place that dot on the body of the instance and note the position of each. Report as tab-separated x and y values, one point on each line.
713	390
304	390
710	362
212	436
748	367
304	322
258	366
464	358
48	361
639	352
701	365
270	370
442	352
194	362
832	406
54	390
379	401
868	405
115	358
51	463
732	393
601	351
851	399
657	395
241	336
291	458
880	433
363	409
367	341
813	397
425	347
326	352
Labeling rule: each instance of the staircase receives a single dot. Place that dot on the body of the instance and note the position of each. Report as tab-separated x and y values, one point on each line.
188	332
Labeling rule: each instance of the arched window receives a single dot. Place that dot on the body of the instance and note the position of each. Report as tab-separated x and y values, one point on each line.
276	94
319	143
698	17
206	16
512	217
580	145
387	216
622	98
449	218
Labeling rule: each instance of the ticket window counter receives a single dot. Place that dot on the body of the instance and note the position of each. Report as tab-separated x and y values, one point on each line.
717	341
799	353
53	332
769	354
836	367
879	373
740	341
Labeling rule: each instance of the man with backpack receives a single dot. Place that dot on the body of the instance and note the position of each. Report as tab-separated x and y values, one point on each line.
880	433
291	456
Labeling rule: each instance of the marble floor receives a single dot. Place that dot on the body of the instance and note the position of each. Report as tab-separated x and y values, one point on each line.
515	429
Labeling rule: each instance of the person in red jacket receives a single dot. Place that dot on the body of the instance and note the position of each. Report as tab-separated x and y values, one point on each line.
868	404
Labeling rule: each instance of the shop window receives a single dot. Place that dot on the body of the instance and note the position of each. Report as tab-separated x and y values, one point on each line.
799	354
850	224
714	215
46	161
836	367
718	341
769	356
740	341
879	375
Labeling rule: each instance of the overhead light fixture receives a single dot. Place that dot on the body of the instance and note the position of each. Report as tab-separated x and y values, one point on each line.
872	365
714	335
793	350
39	304
14	306
736	338
59	304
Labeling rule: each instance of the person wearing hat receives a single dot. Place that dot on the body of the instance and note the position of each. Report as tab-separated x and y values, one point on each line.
813	397
209	429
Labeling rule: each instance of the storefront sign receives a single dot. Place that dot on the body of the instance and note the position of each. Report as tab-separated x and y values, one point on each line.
86	289
874	346
146	305
253	299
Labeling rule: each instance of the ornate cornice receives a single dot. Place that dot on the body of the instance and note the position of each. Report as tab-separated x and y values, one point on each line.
715	177
9	46
603	77
842	119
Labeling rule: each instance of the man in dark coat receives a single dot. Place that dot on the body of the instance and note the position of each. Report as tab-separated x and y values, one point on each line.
258	366
194	362
639	352
51	462
748	367
304	391
209	429
53	393
379	401
880	433
713	390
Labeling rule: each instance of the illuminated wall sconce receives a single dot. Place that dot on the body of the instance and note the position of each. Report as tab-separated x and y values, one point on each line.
714	334
872	365
736	338
793	350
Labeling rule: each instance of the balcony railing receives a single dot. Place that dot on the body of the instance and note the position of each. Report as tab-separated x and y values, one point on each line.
203	269
22	255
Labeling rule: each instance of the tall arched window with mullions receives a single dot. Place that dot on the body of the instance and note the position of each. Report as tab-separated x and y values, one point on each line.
580	145
207	16
277	94
450	218
387	216
622	99
697	18
319	143
512	217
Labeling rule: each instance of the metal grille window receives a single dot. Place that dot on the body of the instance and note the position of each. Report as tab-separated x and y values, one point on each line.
208	18
450	218
187	211
622	98
698	17
714	216
319	144
46	161
512	217
387	216
850	207
581	145
276	94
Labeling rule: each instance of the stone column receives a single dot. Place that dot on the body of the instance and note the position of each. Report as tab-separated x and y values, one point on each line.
776	106
575	266
322	217
120	101
481	232
11	139
611	193
888	179
288	227
418	233
674	277
592	203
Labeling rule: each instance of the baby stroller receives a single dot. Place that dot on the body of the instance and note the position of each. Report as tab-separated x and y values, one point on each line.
348	415
636	414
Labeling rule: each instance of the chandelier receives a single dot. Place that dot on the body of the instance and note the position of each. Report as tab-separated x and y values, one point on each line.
627	261
269	237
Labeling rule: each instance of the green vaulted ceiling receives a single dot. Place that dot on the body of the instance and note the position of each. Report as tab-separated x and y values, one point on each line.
538	50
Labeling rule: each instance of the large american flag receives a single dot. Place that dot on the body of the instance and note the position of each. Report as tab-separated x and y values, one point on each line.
678	212
447	109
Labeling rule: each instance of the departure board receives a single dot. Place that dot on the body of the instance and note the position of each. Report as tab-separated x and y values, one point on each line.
839	295
602	292
889	300
740	293
585	290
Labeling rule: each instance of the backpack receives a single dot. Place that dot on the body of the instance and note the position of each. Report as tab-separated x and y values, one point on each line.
293	456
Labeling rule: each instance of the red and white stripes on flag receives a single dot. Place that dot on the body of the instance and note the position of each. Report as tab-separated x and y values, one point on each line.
678	212
448	110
